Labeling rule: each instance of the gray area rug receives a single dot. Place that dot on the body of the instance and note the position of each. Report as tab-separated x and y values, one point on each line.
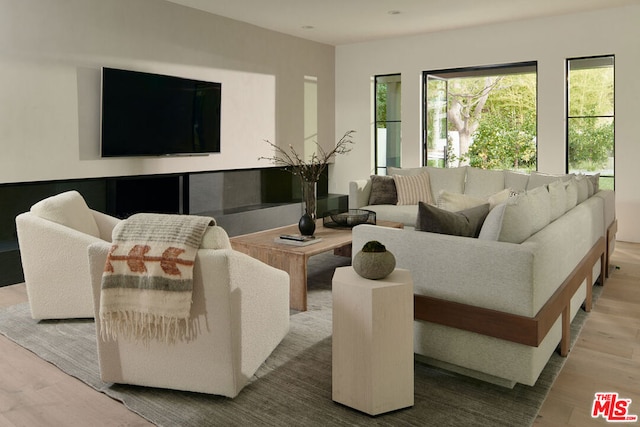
293	387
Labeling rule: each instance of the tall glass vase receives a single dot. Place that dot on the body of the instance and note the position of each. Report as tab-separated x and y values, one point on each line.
309	198
307	223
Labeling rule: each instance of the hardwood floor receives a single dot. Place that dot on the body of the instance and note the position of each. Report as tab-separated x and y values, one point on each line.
607	354
605	358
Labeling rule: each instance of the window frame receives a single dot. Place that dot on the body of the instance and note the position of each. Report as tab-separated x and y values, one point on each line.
568	116
472	71
377	167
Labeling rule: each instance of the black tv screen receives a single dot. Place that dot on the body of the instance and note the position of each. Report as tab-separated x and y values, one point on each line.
147	114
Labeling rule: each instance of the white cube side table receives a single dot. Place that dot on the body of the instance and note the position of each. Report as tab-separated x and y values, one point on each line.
372	345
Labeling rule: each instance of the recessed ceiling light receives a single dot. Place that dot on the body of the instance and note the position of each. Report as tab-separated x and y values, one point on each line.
394	12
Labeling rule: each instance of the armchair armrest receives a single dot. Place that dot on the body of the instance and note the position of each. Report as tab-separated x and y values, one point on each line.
105	223
56	289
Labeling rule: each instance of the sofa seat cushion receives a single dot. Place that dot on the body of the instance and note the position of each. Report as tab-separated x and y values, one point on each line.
465	223
68	209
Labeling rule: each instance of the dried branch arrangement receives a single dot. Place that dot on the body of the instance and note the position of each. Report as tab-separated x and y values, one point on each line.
309	170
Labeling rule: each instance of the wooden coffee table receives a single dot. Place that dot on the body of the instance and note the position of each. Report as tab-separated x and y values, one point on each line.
293	259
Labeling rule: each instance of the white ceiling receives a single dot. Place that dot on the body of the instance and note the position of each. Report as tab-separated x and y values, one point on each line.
338	22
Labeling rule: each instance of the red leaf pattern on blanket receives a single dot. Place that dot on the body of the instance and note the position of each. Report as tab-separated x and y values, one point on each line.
108	267
136	258
170	258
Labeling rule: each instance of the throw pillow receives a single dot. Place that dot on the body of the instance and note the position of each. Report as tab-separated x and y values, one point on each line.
68	209
383	191
413	189
465	223
500	197
454	202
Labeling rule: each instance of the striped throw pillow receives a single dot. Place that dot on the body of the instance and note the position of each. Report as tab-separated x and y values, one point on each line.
413	189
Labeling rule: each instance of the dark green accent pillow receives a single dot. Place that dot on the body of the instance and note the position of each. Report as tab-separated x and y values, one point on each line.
465	223
383	191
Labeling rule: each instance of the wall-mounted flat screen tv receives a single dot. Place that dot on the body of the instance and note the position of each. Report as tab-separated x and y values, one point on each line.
147	114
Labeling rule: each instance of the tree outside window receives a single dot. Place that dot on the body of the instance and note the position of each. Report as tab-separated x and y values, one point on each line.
488	116
590	117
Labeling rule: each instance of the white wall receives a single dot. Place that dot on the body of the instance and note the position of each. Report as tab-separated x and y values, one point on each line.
52	51
548	41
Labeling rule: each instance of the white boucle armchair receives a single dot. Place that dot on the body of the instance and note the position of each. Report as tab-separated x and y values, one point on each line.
241	311
53	238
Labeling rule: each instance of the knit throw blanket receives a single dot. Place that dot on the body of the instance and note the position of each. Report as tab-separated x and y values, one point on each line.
147	282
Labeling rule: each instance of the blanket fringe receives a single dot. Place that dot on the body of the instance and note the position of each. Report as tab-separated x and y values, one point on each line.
144	327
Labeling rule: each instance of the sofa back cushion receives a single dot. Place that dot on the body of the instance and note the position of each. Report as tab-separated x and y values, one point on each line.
448	179
68	209
583	184
571	188
517	181
405	171
519	217
465	223
483	182
558	195
540	204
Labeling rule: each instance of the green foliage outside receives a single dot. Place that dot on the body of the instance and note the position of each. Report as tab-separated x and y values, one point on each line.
590	143
506	134
591	129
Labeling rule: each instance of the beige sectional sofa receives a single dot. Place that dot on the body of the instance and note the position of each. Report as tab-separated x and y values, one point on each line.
497	305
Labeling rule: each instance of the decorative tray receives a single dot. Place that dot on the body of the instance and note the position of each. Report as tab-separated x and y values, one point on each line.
350	218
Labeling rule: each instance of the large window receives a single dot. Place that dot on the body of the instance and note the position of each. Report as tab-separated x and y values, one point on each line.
482	116
590	117
387	122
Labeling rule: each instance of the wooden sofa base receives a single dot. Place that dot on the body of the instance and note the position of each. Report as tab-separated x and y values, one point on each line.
519	329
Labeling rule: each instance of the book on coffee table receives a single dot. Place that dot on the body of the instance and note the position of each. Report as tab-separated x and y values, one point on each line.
297	239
